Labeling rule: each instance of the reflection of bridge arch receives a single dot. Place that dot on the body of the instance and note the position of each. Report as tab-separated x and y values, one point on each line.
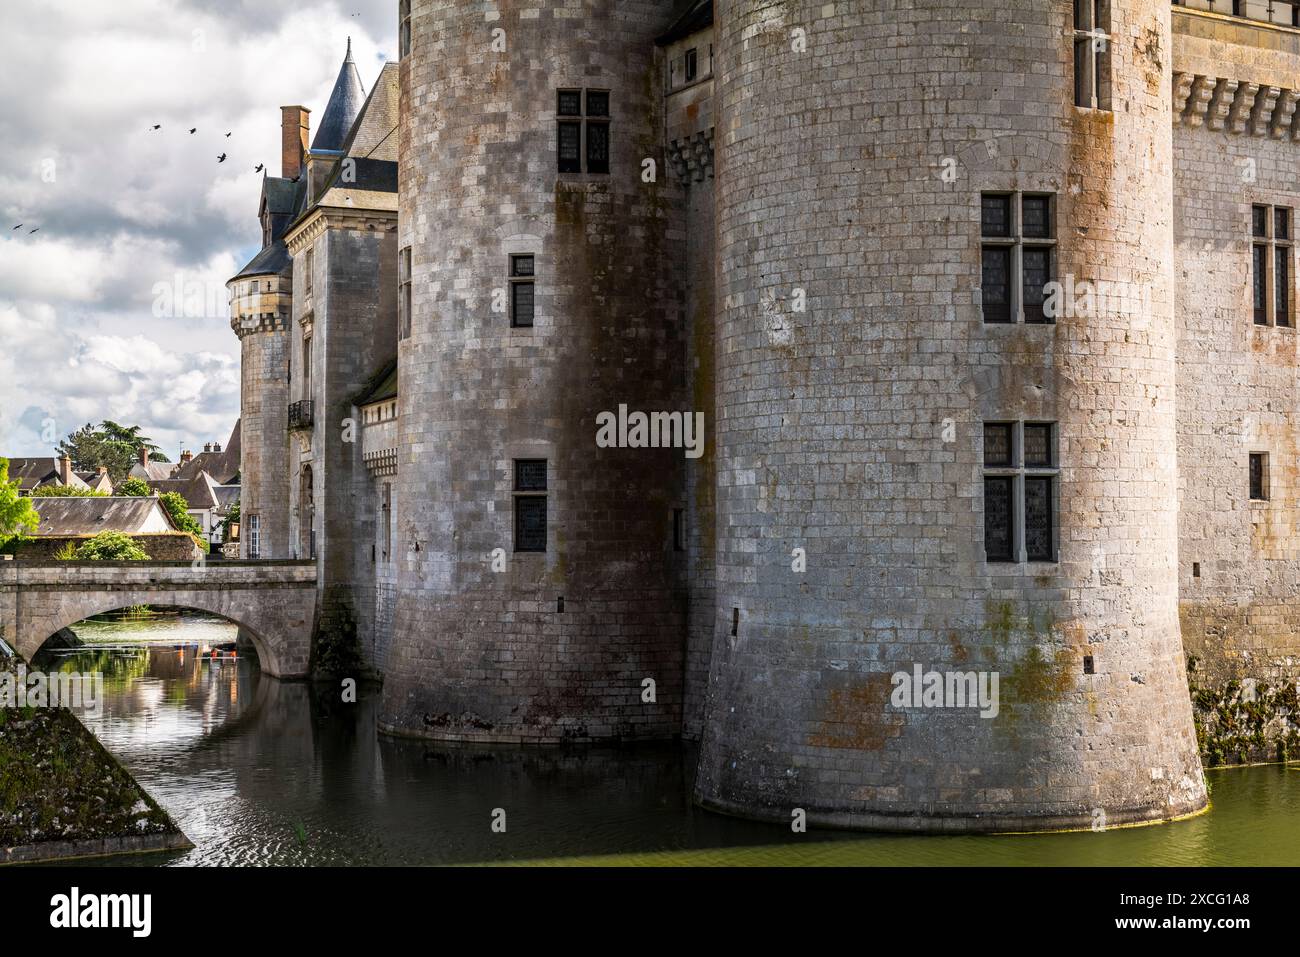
273	601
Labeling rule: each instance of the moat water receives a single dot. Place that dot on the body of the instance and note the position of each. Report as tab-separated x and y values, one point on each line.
258	771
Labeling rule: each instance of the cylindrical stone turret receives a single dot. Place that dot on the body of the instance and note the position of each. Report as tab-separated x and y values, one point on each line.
259	315
538	593
914	474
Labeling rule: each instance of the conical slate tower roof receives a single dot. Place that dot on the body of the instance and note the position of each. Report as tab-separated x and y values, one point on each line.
345	103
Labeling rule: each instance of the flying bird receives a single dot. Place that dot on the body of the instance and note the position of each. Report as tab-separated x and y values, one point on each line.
227	136
258	168
157	126
193	131
36	230
221	158
19	226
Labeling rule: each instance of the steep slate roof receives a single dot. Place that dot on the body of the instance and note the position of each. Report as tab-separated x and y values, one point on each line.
223	466
269	262
371	143
196	490
34	472
344	105
152	470
382	385
691	17
227	495
92	515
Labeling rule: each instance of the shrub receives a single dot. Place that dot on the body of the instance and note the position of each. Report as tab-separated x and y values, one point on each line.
132	488
66	491
111	547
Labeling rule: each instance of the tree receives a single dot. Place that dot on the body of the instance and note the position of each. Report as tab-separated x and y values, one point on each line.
110	445
176	507
111	547
132	488
18	517
66	491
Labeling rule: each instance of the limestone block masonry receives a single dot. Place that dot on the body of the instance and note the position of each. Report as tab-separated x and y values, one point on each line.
832	423
556	645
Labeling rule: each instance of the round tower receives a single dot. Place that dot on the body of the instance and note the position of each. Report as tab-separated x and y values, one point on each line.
537	592
917	473
259	316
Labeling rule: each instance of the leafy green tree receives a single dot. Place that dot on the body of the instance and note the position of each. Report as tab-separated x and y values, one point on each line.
18	517
132	488
66	491
110	445
175	505
111	547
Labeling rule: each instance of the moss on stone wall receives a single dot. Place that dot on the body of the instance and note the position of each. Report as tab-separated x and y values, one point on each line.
59	784
1244	723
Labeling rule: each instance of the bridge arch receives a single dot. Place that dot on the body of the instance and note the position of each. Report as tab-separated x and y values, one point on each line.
274	601
92	604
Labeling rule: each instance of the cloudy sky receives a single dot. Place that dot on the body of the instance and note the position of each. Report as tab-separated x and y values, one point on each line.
126	217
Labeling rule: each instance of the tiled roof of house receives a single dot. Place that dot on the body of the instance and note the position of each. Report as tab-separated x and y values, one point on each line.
95	514
196	490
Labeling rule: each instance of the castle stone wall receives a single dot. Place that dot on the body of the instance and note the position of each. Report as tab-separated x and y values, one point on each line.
479	653
1239	560
853	430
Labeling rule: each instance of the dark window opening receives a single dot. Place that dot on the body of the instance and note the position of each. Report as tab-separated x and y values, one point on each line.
1259	476
692	65
530	507
1196	569
1259	222
1260	285
997	445
1038	519
582	135
735	622
522	297
570	147
559	605
679	530
995	284
1088	665
1038	446
1281	285
999	537
1037	274
995	215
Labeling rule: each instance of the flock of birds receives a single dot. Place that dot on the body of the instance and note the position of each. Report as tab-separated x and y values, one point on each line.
154	129
220	159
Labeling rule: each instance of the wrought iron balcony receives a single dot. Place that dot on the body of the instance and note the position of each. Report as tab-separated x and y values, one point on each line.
1280	12
300	415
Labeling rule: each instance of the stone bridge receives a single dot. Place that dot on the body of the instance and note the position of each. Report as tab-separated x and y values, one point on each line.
274	602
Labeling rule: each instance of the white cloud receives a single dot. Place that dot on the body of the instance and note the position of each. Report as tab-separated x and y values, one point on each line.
128	209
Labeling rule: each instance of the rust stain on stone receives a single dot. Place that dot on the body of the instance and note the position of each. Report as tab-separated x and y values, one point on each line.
856	717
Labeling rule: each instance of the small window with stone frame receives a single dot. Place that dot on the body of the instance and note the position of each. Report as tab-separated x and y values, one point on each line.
1017	257
530	487
1271	265
522	291
404	298
582	131
1092	65
1021	476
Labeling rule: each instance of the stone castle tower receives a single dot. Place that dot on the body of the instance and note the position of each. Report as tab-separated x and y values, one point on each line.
850	238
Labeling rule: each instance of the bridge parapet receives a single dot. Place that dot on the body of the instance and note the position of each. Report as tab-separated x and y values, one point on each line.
273	601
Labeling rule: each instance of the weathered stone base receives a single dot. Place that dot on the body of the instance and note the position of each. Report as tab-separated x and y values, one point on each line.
99	847
1080	820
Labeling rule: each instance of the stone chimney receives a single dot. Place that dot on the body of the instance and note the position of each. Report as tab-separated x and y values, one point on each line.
143	455
65	470
207	446
295	131
186	457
